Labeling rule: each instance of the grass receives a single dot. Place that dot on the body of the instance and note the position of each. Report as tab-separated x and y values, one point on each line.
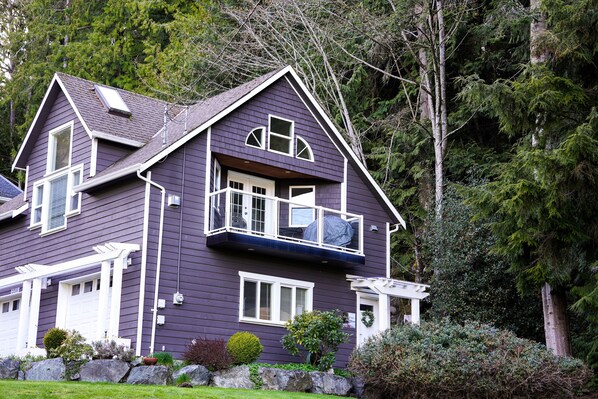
11	389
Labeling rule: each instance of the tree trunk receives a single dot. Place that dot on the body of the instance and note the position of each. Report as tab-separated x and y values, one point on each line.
556	325
554	302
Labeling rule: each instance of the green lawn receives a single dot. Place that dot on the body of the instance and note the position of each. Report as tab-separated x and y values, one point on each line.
84	390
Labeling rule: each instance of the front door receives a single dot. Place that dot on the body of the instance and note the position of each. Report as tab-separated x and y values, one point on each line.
367	318
250	210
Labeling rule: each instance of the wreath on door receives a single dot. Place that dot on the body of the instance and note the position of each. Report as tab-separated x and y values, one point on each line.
367	318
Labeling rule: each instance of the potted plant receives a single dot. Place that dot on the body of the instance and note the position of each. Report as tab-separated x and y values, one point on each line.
149	360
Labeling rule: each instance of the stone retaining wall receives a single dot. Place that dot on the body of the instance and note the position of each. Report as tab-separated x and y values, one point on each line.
118	371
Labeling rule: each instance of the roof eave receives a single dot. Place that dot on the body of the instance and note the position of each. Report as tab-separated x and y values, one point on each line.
96	182
115	139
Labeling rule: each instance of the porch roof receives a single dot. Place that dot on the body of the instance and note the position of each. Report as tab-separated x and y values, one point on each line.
388	286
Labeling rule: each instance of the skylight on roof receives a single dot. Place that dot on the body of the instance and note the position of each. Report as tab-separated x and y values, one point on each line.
112	100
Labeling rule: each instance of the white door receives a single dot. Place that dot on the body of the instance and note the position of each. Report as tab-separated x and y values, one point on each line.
368	307
251	212
82	308
9	325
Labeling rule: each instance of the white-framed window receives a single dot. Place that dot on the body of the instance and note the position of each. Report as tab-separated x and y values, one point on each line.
255	138
280	135
303	150
59	148
273	300
74	205
53	196
37	201
302	211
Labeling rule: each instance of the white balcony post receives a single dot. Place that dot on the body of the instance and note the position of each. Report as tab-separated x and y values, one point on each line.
320	226
276	217
361	230
227	210
24	315
36	293
414	311
103	304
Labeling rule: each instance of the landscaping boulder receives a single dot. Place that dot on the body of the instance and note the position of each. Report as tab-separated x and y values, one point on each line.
285	380
150	375
46	370
198	374
9	369
237	377
104	370
329	384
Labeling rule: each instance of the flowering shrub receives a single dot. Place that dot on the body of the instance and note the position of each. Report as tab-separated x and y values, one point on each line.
111	350
444	359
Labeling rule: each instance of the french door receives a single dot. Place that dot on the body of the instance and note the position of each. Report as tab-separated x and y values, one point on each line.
248	210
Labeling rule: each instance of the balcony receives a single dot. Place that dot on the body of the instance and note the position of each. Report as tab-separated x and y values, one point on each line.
268	225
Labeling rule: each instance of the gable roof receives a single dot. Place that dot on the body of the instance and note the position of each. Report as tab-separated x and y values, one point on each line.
7	189
155	139
147	114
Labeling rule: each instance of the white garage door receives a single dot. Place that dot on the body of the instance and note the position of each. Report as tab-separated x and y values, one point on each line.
9	325
82	309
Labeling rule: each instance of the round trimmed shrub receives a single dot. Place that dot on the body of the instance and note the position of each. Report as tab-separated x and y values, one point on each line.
53	338
244	347
444	359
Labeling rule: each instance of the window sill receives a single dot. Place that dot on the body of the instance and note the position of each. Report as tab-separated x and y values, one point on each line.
264	322
49	232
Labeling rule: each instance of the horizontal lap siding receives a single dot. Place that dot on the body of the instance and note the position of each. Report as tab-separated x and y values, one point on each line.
108	153
111	215
209	278
228	135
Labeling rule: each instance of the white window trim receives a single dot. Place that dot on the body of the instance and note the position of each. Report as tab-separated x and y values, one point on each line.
291	206
276	282
291	138
262	139
307	147
35	200
71	191
50	153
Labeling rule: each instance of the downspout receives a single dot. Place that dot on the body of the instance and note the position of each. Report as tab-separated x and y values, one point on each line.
389	231
159	256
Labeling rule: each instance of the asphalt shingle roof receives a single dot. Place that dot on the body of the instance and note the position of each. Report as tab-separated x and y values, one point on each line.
147	114
7	189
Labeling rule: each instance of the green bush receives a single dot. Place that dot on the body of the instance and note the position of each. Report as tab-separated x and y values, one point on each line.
164	358
244	347
443	359
73	348
319	333
53	338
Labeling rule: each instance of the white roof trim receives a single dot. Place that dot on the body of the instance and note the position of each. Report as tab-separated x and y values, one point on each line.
348	148
14	213
55	79
121	140
94	182
109	251
183	140
388	286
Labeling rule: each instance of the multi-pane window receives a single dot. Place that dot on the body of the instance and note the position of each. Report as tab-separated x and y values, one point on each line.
302	208
280	135
53	196
272	299
11	306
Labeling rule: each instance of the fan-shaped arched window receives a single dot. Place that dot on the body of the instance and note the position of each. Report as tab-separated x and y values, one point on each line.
304	150
255	138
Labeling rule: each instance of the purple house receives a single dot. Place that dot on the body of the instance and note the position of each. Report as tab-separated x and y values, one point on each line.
153	223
